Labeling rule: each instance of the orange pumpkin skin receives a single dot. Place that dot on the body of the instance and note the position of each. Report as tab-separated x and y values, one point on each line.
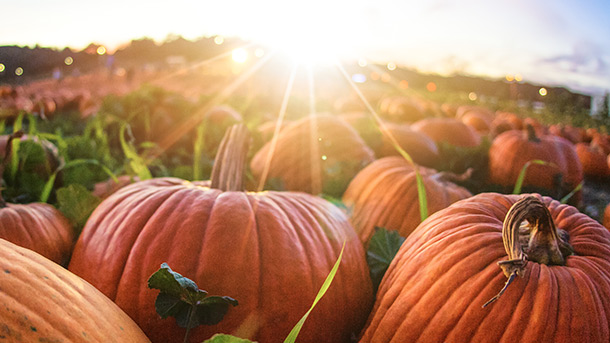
41	301
401	109
449	130
271	251
511	150
442	275
340	154
384	194
39	227
593	160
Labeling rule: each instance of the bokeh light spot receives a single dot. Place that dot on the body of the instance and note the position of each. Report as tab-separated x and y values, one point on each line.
219	40
2	67
375	76
431	87
543	91
101	50
391	66
240	55
68	60
362	62
19	71
386	77
509	78
518	77
472	96
404	84
359	78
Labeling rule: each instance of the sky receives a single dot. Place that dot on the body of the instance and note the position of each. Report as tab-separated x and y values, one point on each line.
551	42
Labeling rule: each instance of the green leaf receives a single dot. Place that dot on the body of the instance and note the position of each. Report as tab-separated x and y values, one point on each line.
198	150
48	187
383	246
182	299
294	333
222	338
170	282
521	177
76	203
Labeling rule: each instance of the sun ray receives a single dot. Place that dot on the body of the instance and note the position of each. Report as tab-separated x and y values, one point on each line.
172	137
316	174
276	132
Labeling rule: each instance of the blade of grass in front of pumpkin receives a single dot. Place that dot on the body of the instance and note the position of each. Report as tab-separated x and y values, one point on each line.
14	162
198	150
135	161
566	198
421	189
48	187
522	173
292	336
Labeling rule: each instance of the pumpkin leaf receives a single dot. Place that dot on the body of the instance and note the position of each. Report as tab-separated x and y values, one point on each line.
222	338
294	333
76	203
383	246
181	298
136	162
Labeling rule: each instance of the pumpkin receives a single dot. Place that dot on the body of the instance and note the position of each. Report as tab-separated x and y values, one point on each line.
314	154
505	121
401	109
480	121
384	194
447	270
104	189
39	227
571	133
41	301
511	150
271	251
594	161
603	141
420	147
449	130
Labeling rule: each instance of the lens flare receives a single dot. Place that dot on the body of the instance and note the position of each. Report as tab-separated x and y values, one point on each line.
240	55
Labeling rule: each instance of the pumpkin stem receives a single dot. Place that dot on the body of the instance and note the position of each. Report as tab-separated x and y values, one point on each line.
228	171
531	133
538	241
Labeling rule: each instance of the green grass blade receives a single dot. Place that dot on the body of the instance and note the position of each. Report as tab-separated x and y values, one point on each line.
135	161
198	150
522	173
566	198
48	187
292	336
14	162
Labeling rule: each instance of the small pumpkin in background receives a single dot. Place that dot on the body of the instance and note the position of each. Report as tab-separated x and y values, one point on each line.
315	154
603	141
271	251
571	133
104	189
594	161
511	150
384	194
449	130
505	121
448	269
420	147
41	301
401	109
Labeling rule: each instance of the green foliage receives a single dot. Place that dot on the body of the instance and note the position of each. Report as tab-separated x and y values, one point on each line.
383	246
523	172
222	338
76	203
182	299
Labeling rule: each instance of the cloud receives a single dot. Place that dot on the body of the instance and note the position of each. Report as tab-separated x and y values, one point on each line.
586	58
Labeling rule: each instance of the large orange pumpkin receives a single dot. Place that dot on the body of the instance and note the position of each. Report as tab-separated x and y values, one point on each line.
384	194
447	269
314	154
606	219
511	150
271	251
43	302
